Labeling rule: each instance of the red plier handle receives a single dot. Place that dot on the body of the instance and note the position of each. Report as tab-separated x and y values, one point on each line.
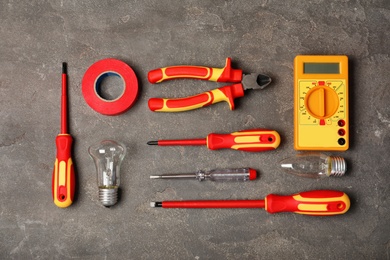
227	94
225	74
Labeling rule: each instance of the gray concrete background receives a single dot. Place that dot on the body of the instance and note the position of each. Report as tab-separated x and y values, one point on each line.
260	36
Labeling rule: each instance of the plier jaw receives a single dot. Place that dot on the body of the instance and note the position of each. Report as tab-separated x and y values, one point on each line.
255	81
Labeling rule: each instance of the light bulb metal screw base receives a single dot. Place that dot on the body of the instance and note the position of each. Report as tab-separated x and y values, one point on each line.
338	166
108	196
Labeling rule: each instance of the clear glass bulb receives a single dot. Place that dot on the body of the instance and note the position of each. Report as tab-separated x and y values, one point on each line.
108	156
314	165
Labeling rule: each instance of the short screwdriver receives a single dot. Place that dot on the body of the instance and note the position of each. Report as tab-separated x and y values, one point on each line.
253	140
315	203
239	174
63	182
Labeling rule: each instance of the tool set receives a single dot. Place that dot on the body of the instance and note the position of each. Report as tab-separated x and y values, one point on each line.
321	123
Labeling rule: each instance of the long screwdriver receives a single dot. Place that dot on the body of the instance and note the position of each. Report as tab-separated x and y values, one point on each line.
63	182
238	174
253	140
315	203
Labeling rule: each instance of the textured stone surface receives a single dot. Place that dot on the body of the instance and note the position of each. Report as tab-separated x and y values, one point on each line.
260	36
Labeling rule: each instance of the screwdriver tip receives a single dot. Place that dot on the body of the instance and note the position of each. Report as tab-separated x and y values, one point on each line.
152	143
64	69
155	204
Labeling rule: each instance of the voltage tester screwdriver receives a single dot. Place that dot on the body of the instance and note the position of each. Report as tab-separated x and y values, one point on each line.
315	203
239	174
63	182
254	140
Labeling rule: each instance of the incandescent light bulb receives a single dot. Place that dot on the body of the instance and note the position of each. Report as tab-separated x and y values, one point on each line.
108	156
314	165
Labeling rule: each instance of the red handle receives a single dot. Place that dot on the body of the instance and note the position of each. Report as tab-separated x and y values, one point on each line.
226	93
255	140
225	74
63	182
318	203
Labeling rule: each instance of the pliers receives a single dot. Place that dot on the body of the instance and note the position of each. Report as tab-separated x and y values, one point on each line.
226	93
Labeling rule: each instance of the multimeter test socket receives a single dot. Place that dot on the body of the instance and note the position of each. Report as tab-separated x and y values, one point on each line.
321	103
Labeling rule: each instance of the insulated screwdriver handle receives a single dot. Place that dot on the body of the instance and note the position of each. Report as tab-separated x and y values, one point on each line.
225	74
254	140
226	93
63	180
317	203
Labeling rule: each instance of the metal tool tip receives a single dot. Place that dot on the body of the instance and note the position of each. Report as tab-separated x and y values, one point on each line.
152	143
263	80
155	177
155	204
255	81
64	68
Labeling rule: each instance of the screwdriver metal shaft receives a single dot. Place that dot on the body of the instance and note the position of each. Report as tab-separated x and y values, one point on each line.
239	174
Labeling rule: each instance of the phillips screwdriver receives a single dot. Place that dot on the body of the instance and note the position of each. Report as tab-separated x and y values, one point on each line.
253	140
63	182
239	174
315	203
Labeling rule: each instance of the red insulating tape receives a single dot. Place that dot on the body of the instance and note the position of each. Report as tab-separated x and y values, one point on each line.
90	83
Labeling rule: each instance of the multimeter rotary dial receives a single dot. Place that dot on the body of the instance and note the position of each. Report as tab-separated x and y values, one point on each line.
321	102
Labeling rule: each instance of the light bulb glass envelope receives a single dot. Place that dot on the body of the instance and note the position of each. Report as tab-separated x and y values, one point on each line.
108	156
314	165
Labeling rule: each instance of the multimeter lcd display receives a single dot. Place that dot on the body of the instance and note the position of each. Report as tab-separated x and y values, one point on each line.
321	68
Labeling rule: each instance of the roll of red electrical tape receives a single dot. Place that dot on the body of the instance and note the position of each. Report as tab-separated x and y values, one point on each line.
93	77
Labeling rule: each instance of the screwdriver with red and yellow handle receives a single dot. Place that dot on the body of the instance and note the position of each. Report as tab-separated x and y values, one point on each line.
314	203
253	140
63	181
226	93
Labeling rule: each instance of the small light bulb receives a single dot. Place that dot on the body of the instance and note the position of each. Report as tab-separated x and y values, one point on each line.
314	165
108	156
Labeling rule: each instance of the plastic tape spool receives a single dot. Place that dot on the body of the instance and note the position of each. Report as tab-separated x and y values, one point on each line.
93	77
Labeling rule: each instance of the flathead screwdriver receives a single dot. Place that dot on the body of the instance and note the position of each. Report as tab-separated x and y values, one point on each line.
315	203
239	174
63	182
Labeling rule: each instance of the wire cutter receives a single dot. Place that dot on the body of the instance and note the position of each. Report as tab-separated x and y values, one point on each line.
226	93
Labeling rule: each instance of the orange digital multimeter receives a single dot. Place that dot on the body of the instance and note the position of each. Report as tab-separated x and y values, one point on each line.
321	103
